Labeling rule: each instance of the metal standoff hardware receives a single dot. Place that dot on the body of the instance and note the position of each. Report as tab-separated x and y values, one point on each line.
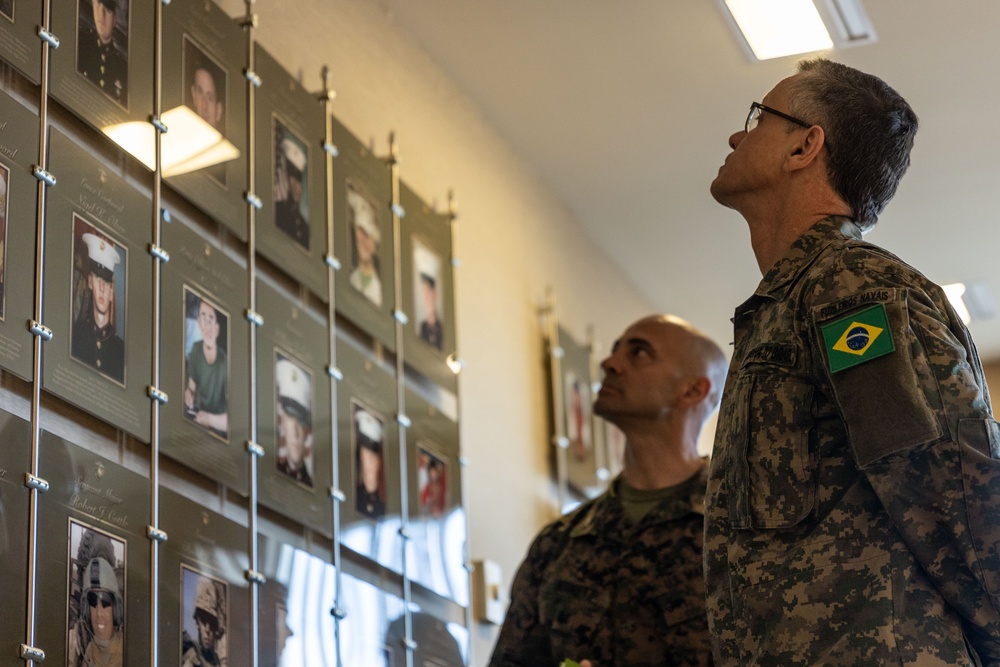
398	210
254	449
40	330
409	644
158	124
165	215
337	495
464	461
253	200
254	317
558	352
332	262
456	263
401	317
251	76
403	421
157	395
36	483
562	442
32	653
159	253
43	176
156	534
48	37
334	373
255	577
404	532
338	613
330	149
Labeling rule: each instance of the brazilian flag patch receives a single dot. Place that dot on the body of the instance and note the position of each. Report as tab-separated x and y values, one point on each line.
857	338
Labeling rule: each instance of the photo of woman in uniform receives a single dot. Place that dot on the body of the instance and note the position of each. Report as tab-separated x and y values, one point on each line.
363	226
96	606
368	434
98	298
102	46
206	364
291	184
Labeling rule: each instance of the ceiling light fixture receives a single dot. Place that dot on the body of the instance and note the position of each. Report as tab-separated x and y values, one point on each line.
770	29
972	301
189	144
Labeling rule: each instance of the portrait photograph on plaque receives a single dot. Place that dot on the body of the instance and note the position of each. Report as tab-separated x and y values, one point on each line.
94	576
101	68
19	44
204	596
437	522
98	281
96	627
18	201
204	88
368	453
293	410
291	127
363	236
99	292
15	460
428	289
205	357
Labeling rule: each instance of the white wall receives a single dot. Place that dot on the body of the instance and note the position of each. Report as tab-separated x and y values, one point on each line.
516	238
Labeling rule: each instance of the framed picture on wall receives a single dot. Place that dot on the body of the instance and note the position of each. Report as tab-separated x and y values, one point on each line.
204	597
97	285
19	45
368	452
15	457
94	577
428	289
363	237
291	168
204	357
101	68
202	71
293	410
18	201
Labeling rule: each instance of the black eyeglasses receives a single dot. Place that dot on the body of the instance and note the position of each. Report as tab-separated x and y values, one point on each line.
106	599
757	108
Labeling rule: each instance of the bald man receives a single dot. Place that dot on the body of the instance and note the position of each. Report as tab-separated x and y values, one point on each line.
619	580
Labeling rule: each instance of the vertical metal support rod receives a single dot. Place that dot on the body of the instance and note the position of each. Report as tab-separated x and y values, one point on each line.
467	553
36	374
326	96
397	253
249	24
154	436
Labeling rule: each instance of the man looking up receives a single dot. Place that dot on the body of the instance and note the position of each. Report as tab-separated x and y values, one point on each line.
619	580
852	506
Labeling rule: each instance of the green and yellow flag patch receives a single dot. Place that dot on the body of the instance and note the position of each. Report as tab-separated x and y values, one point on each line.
857	338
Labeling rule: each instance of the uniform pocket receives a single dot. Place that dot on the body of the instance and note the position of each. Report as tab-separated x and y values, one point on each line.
772	479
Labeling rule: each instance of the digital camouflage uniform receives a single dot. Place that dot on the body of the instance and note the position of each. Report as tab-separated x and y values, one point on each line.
853	512
596	587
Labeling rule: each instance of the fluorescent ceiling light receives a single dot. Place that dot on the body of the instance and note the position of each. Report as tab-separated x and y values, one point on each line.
775	28
972	301
189	144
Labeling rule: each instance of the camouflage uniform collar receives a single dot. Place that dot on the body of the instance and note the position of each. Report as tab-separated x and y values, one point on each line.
605	516
802	252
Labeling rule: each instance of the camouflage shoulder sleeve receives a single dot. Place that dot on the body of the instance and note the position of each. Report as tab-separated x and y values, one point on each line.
523	640
918	418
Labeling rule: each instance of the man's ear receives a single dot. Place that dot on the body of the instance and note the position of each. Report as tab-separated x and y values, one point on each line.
805	150
695	391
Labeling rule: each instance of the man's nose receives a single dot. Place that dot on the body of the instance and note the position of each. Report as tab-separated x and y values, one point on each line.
736	138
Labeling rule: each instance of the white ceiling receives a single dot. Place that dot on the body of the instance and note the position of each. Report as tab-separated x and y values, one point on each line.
625	107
